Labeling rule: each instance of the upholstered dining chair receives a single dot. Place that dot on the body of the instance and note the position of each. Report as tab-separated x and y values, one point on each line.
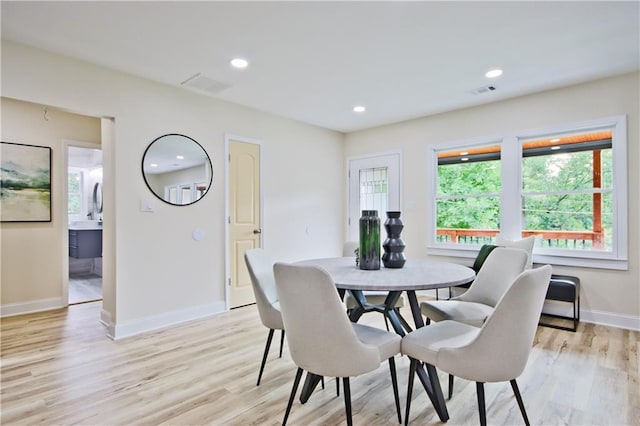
371	297
496	352
321	339
525	244
264	288
473	307
476	304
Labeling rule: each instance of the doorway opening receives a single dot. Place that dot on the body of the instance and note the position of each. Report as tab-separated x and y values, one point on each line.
84	218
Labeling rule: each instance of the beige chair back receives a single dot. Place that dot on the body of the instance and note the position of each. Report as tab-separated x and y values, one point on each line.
321	338
260	269
501	349
496	275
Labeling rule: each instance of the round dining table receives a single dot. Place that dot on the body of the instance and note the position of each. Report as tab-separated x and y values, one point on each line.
415	275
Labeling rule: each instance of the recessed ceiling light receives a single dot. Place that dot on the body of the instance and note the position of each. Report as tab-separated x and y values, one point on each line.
464	153
180	157
497	72
153	165
359	108
555	140
239	63
555	147
464	159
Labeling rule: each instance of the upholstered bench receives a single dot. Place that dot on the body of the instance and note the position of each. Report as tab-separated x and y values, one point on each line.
564	288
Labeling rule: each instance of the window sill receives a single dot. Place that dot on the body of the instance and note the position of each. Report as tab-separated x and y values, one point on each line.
469	252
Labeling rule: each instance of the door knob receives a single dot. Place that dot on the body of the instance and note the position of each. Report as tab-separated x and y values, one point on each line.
257	231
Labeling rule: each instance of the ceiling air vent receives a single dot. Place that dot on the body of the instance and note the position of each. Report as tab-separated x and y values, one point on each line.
483	89
205	84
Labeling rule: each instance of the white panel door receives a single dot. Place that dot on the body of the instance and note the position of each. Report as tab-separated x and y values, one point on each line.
374	184
244	217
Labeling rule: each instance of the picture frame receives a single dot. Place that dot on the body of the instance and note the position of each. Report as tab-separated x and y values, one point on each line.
25	183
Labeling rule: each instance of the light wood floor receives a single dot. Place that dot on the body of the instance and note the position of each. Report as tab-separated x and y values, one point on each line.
59	368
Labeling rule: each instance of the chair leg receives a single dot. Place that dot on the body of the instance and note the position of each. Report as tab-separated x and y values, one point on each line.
296	382
516	392
337	386
481	407
264	356
394	382
347	399
450	386
386	322
281	342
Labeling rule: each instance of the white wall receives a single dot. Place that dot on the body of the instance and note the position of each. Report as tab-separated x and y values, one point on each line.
607	296
146	254
159	274
33	255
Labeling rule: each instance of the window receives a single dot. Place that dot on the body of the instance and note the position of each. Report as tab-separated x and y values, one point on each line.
468	195
184	194
374	184
566	185
74	194
566	190
373	189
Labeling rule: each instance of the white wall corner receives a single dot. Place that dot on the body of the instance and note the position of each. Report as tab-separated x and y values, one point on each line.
32	306
131	328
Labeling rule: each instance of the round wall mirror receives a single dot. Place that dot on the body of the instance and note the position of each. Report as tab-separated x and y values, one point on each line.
177	169
97	197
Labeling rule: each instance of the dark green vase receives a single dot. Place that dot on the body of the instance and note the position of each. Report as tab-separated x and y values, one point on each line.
369	240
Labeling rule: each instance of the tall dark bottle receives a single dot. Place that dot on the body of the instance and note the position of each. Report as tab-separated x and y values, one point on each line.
370	240
393	245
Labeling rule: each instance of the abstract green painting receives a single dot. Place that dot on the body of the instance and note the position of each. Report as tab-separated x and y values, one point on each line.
25	183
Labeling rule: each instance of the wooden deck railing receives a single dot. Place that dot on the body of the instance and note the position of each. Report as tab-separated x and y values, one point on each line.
560	239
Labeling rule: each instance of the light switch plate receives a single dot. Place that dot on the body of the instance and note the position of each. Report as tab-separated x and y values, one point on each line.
147	205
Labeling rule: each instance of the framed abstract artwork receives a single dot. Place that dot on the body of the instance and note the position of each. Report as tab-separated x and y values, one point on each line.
25	183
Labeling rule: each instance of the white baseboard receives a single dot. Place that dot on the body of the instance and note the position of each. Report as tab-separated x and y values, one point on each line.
609	319
30	307
627	322
105	319
130	328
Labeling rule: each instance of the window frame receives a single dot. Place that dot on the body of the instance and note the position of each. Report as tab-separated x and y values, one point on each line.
82	214
511	195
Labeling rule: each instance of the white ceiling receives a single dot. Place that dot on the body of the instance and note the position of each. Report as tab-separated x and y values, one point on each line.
313	61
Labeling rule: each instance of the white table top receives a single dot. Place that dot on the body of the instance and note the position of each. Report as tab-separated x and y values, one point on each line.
417	274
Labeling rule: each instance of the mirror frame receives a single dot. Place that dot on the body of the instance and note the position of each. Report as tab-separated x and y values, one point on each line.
97	191
161	196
